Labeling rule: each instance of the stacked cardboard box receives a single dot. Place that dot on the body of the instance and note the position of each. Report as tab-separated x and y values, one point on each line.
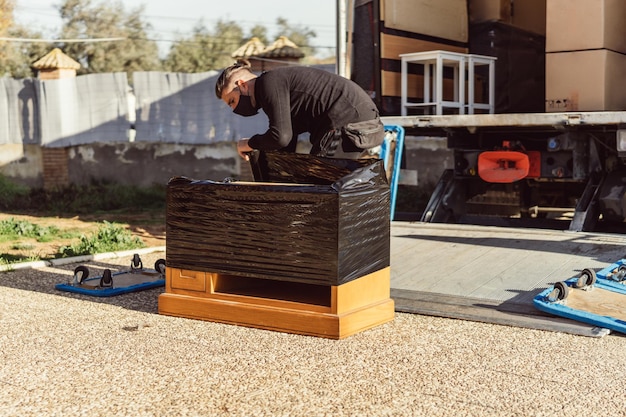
415	26
529	15
514	32
585	55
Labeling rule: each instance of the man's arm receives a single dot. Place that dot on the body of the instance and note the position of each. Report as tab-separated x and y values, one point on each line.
274	95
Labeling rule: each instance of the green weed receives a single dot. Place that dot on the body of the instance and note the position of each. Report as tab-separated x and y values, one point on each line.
6	264
110	237
11	229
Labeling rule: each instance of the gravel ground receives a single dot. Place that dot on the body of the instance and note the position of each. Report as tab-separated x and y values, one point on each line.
64	354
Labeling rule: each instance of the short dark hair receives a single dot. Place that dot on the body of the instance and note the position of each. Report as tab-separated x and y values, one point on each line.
227	75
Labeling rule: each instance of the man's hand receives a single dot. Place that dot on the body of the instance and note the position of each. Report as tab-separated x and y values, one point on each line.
243	148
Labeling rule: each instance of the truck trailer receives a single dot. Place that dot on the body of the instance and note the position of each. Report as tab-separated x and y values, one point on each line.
542	148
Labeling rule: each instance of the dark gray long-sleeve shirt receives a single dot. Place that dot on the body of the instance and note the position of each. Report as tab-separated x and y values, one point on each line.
303	99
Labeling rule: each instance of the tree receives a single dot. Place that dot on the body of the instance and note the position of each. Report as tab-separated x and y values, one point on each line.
6	16
205	51
83	20
202	50
6	21
301	36
19	56
259	32
16	57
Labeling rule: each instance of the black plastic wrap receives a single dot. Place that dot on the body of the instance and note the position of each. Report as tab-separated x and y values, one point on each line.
301	168
311	230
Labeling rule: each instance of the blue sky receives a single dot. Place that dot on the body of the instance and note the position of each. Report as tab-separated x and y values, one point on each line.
167	16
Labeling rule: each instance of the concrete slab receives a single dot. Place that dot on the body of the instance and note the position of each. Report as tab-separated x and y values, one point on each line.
489	273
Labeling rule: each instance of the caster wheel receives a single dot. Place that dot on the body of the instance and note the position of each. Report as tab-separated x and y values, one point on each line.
586	278
107	279
621	273
560	292
159	266
136	263
80	274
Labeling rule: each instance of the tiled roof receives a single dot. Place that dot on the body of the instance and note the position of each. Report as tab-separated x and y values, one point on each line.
282	48
251	48
56	59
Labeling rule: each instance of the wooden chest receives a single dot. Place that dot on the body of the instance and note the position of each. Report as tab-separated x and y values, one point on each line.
310	256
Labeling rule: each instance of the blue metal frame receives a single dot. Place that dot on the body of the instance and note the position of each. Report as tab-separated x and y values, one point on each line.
560	308
397	160
110	291
603	276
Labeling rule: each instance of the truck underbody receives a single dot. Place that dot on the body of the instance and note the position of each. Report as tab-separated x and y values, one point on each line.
531	165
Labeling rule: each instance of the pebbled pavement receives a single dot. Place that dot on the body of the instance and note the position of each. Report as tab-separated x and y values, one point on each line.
65	354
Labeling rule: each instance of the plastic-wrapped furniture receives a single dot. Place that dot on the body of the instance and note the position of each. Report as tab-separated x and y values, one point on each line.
305	249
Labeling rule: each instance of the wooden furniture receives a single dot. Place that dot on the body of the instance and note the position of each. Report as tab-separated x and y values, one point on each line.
326	311
309	256
463	67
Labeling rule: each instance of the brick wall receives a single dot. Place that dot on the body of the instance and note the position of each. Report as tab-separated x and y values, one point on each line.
55	171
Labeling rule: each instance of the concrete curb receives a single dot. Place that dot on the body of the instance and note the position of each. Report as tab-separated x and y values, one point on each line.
78	259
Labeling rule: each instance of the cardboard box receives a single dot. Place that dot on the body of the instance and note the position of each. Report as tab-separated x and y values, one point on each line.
520	67
585	81
573	25
445	19
528	15
392	46
489	10
313	220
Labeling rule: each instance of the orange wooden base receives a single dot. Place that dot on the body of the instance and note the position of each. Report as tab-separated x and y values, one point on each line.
326	311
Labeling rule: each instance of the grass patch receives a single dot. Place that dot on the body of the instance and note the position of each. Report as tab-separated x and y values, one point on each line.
110	237
22	246
108	207
8	259
13	230
93	199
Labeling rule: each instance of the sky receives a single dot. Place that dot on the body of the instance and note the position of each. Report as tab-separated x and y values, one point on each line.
168	17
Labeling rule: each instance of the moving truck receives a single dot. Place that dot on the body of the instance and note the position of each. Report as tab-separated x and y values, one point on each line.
552	137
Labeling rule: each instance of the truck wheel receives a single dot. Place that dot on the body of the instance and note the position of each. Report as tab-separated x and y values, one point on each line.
586	278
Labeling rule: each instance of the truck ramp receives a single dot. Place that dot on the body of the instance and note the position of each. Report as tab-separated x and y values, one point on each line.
491	274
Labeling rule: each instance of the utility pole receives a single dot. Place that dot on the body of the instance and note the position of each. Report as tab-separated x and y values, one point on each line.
341	38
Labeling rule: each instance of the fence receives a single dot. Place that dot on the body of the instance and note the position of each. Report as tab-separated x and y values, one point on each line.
97	128
161	107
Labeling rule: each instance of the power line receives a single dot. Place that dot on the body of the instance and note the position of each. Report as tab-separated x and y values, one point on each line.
159	29
36	40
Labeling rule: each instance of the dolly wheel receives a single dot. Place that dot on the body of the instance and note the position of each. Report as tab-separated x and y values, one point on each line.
107	279
586	278
560	292
81	273
136	263
621	273
159	266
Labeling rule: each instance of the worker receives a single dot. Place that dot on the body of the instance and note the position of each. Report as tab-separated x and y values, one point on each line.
341	118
